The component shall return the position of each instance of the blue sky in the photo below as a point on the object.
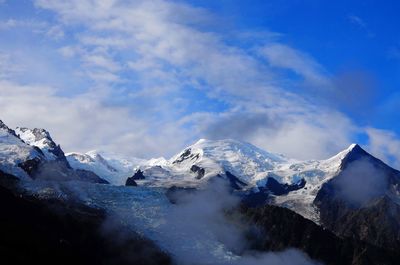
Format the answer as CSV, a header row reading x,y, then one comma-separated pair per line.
x,y
356,36
146,78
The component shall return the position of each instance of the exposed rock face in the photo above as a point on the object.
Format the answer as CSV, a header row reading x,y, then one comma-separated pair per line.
x,y
256,199
57,232
31,166
362,201
57,170
6,128
200,171
138,175
33,153
187,154
88,176
130,182
277,188
263,195
280,228
234,182
41,139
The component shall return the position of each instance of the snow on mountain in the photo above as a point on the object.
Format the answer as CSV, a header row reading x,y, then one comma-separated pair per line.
x,y
249,168
41,139
32,154
205,159
271,178
248,163
113,168
245,166
14,152
315,173
241,159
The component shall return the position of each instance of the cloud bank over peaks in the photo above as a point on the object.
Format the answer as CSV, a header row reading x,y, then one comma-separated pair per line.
x,y
157,75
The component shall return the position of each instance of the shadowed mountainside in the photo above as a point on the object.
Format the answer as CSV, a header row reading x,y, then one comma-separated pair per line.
x,y
53,231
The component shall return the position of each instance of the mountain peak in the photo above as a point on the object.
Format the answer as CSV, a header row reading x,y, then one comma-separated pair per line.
x,y
356,152
41,138
353,145
33,135
6,128
3,125
201,140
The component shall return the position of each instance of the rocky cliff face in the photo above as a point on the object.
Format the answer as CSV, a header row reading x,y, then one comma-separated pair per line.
x,y
41,139
278,228
362,201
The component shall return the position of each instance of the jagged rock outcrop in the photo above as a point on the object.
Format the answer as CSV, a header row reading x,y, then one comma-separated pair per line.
x,y
130,182
42,139
3,126
138,175
198,170
277,188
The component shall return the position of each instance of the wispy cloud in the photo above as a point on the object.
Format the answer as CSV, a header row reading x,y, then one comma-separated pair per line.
x,y
84,122
384,144
8,66
359,22
283,56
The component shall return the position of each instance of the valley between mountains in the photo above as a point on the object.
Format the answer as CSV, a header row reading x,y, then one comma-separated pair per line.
x,y
215,202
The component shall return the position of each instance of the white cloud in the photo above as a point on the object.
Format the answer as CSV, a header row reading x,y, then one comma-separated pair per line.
x,y
56,32
385,145
85,122
303,134
302,64
8,67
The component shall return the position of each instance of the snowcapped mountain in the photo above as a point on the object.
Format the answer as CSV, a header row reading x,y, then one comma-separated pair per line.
x,y
113,168
16,156
244,160
283,181
41,139
245,166
32,154
251,165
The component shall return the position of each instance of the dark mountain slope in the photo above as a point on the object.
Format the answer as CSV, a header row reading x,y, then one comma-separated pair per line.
x,y
280,228
57,232
362,201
